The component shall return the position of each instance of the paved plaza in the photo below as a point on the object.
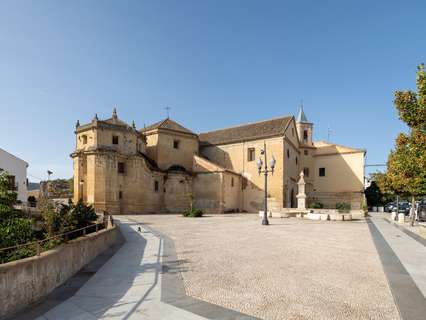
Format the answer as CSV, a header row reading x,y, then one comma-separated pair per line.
x,y
292,269
231,267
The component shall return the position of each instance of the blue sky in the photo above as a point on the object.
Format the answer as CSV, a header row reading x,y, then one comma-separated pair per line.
x,y
215,63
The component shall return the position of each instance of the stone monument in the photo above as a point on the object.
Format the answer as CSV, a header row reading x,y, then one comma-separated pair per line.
x,y
301,195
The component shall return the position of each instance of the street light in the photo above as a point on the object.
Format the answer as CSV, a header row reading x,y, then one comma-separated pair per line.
x,y
265,171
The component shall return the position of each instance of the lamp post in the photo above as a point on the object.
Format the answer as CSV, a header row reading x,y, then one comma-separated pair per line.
x,y
265,171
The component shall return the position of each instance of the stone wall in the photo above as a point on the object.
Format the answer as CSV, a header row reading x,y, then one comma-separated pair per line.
x,y
25,281
235,157
207,192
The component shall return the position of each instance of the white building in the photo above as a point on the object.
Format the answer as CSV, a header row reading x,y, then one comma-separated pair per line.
x,y
17,169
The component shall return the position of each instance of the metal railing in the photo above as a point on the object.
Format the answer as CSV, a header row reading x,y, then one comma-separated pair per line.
x,y
63,238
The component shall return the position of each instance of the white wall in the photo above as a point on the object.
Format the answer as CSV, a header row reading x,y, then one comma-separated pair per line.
x,y
18,168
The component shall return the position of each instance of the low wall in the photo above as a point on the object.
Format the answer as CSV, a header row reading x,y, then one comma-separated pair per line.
x,y
23,282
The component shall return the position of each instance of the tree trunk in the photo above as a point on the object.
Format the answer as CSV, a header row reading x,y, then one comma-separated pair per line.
x,y
413,210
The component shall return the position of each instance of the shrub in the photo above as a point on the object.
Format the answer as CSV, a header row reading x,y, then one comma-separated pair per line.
x,y
343,206
66,217
32,201
82,215
317,205
193,213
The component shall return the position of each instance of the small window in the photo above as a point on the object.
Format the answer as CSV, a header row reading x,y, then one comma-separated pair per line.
x,y
305,135
232,181
84,138
292,132
288,153
306,152
120,194
296,160
114,139
306,172
251,154
322,172
12,183
121,167
156,186
176,144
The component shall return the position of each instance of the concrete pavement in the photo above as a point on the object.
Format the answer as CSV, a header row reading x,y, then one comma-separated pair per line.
x,y
404,262
133,284
128,286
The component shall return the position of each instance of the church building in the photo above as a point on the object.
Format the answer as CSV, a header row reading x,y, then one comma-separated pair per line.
x,y
166,167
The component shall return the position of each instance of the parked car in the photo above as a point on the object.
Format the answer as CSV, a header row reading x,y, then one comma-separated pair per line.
x,y
421,212
404,207
390,206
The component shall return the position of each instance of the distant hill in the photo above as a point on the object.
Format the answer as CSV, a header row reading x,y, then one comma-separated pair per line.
x,y
59,188
33,186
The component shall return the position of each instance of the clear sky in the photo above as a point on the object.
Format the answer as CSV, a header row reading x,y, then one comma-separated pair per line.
x,y
215,63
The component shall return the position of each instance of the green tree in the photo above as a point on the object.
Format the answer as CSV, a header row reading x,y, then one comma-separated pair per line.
x,y
14,229
406,174
374,195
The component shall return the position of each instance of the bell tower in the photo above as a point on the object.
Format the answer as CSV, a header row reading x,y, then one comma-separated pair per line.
x,y
304,128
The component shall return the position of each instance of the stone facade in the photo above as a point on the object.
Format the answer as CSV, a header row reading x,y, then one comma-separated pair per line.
x,y
164,167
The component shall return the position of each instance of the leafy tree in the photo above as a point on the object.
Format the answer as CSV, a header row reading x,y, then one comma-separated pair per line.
x,y
82,215
64,218
14,229
384,193
406,174
373,195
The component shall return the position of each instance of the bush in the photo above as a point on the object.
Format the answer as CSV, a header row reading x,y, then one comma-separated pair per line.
x,y
193,213
317,205
343,206
32,201
66,217
15,231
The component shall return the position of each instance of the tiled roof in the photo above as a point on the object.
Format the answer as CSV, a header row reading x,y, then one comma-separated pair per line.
x,y
167,124
115,121
251,131
326,148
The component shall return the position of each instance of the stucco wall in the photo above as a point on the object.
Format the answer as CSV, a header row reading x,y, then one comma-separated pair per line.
x,y
25,281
343,180
18,168
343,172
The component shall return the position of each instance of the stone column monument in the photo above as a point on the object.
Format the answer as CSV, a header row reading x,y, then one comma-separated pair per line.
x,y
301,195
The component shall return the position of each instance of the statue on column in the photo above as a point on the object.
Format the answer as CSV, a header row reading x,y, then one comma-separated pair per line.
x,y
301,195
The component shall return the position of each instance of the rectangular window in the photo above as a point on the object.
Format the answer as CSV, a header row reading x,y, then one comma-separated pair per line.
x,y
232,181
84,137
251,154
156,186
114,139
121,167
305,135
288,153
322,172
12,184
120,195
176,144
306,172
296,160
305,152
